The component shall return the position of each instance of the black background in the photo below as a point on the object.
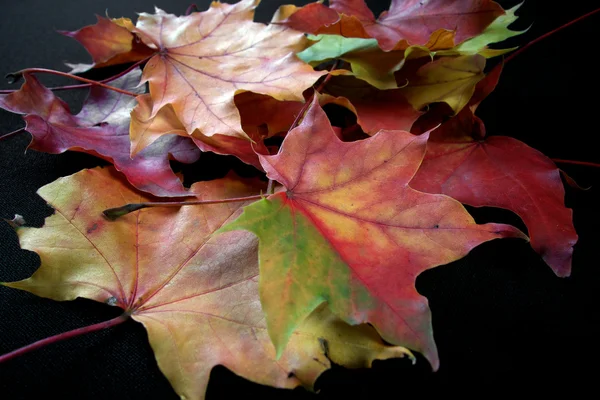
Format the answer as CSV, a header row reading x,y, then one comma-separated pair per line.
x,y
502,320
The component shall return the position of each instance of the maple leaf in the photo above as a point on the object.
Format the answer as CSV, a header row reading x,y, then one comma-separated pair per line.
x,y
451,80
261,117
311,18
205,58
367,60
375,109
348,230
386,110
430,23
196,295
496,32
147,130
109,43
102,129
377,67
503,172
167,123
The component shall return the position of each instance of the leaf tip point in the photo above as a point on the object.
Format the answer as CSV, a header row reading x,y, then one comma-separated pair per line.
x,y
64,32
509,231
17,222
13,77
112,214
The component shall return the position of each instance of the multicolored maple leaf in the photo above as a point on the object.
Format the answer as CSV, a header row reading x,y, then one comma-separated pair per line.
x,y
196,295
348,230
342,242
195,66
204,59
102,129
431,23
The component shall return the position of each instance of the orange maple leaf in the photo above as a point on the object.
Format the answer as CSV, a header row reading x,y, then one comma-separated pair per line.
x,y
204,59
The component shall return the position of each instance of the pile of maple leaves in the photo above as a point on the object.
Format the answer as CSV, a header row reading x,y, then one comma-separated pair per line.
x,y
318,263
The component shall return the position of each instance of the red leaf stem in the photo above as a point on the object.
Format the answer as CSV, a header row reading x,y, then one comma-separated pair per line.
x,y
65,335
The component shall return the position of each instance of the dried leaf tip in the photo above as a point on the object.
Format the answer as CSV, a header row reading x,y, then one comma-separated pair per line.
x,y
13,77
17,222
113,213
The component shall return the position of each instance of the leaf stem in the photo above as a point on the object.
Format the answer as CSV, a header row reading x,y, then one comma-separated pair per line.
x,y
586,163
300,114
84,85
114,213
544,36
328,76
13,133
65,335
191,8
16,75
318,89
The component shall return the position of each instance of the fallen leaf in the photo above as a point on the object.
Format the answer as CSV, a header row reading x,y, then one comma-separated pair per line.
x,y
204,59
311,18
109,43
501,172
496,32
485,87
388,110
265,116
230,145
367,60
374,109
196,295
145,130
439,113
432,23
164,124
415,21
256,111
101,129
451,80
377,67
347,229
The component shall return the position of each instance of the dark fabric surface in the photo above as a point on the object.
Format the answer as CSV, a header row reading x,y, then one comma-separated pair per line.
x,y
501,319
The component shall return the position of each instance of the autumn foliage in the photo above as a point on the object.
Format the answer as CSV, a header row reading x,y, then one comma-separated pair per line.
x,y
316,259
